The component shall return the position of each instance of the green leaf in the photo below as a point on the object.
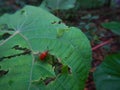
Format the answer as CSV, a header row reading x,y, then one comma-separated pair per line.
x,y
113,26
107,75
58,4
34,31
87,4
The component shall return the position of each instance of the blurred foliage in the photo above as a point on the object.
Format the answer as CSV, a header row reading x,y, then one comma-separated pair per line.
x,y
10,6
53,5
87,4
70,16
114,26
90,27
107,75
58,4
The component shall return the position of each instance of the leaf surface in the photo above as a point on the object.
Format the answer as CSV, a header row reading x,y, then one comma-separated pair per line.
x,y
113,26
58,4
36,30
107,75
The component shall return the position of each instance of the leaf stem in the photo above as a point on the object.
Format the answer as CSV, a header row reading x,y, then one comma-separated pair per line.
x,y
9,38
31,71
102,44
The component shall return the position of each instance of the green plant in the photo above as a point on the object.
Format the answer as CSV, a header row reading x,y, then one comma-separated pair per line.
x,y
87,4
107,75
53,5
114,26
58,4
32,30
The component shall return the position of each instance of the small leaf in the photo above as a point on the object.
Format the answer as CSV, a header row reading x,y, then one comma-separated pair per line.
x,y
107,75
114,26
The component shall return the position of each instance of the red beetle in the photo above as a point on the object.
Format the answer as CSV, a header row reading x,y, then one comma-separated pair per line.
x,y
43,55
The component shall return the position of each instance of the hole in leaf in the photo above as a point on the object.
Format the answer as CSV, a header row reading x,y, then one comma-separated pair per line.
x,y
59,22
4,27
22,11
5,36
57,65
53,22
60,33
48,80
17,47
3,72
5,32
59,68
